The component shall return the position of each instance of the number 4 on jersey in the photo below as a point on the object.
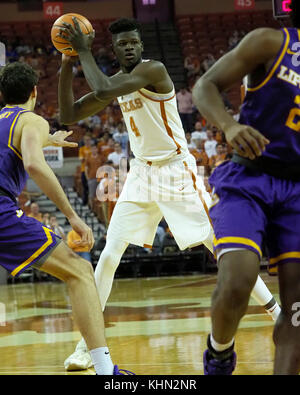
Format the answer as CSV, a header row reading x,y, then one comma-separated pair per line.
x,y
134,128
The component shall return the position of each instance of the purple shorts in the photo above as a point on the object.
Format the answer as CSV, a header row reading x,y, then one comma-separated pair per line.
x,y
250,208
24,241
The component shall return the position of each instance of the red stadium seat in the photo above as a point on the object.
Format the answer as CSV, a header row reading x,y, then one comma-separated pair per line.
x,y
183,21
187,35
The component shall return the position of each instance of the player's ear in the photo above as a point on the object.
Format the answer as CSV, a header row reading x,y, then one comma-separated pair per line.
x,y
112,47
34,92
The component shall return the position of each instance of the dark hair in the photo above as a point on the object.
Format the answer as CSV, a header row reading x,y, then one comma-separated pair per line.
x,y
124,25
295,14
17,81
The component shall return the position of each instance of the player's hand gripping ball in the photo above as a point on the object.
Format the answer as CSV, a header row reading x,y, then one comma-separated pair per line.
x,y
72,32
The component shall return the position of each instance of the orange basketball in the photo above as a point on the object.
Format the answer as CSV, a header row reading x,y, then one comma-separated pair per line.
x,y
62,45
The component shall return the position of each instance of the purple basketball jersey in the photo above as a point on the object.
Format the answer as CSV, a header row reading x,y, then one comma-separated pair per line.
x,y
24,241
12,173
273,107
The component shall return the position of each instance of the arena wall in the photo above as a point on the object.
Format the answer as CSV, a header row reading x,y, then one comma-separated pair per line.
x,y
191,7
101,10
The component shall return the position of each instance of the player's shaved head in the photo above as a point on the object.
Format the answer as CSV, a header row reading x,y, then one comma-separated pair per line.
x,y
295,14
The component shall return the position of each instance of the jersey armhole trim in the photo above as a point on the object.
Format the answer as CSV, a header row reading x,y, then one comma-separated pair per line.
x,y
157,99
275,66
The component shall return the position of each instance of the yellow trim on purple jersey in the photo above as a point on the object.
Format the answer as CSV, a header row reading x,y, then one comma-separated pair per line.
x,y
286,255
271,73
37,253
11,135
237,240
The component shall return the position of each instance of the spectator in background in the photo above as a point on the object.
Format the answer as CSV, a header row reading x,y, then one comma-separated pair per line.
x,y
55,227
216,160
97,132
107,149
46,219
117,155
11,54
210,144
92,163
161,231
121,137
83,152
185,108
103,60
106,113
111,124
208,62
190,143
233,40
35,212
90,122
103,140
207,186
169,244
23,48
199,132
197,152
192,65
74,242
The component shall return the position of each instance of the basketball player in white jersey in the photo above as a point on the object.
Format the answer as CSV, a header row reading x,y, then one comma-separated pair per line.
x,y
162,181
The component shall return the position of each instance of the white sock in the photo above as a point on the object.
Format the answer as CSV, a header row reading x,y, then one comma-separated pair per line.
x,y
263,297
220,347
274,311
261,293
102,361
104,274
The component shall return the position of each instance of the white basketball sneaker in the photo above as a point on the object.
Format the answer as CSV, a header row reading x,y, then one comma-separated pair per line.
x,y
80,359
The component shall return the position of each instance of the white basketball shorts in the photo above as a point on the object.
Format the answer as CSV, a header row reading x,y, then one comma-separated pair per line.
x,y
170,190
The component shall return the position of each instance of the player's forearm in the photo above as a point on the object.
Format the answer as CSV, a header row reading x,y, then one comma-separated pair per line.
x,y
209,101
65,94
49,184
96,79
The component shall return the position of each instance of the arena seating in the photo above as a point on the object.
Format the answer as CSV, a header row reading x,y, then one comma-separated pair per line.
x,y
209,34
199,35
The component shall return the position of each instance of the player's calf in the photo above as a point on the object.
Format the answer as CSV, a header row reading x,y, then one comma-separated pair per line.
x,y
237,275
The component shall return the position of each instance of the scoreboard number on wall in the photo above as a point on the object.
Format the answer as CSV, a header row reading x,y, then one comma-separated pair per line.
x,y
244,5
281,8
52,10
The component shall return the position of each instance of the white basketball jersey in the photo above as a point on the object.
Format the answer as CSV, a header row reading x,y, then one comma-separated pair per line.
x,y
154,126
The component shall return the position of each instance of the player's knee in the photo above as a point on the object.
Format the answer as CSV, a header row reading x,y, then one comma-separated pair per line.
x,y
77,269
109,260
234,291
237,275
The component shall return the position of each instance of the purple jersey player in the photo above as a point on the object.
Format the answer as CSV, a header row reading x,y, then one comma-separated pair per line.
x,y
257,193
25,241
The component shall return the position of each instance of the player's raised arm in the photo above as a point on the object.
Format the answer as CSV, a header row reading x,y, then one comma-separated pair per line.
x,y
128,49
35,132
258,48
72,111
148,73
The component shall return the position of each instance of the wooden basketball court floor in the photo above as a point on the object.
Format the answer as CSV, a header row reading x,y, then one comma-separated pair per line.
x,y
154,326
